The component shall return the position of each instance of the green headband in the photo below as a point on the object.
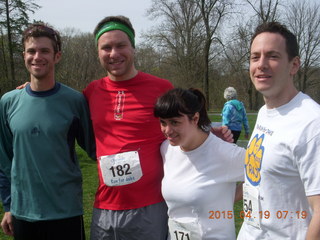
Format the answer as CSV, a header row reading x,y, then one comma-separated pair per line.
x,y
109,26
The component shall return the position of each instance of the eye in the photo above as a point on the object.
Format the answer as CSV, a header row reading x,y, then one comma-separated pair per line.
x,y
106,48
31,51
163,123
254,57
174,122
45,50
274,56
121,45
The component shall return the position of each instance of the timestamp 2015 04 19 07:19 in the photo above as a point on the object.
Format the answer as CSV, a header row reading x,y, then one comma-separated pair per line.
x,y
280,214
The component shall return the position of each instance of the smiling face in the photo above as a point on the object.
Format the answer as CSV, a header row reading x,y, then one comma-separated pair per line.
x,y
40,58
270,69
181,131
116,55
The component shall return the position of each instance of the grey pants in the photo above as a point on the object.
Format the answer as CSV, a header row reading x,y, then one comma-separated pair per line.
x,y
147,223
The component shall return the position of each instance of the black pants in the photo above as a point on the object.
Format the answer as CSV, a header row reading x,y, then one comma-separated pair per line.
x,y
236,135
62,229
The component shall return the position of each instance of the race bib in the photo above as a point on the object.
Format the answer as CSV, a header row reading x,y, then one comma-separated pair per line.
x,y
251,205
120,169
184,231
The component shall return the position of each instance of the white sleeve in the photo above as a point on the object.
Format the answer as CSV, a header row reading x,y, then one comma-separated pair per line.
x,y
308,162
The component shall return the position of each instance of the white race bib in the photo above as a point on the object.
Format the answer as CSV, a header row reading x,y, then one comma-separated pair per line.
x,y
184,231
251,205
120,169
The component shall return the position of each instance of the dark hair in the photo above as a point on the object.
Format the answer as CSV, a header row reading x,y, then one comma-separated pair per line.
x,y
121,19
180,101
292,46
42,30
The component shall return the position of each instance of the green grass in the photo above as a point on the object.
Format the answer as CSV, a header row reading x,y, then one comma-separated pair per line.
x,y
216,117
90,183
237,208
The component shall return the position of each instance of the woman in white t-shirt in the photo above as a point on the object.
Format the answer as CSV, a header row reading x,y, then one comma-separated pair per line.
x,y
200,170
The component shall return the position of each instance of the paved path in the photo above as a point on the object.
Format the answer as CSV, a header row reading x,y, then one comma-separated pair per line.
x,y
219,114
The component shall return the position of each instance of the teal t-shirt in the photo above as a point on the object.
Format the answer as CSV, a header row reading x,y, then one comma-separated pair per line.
x,y
37,147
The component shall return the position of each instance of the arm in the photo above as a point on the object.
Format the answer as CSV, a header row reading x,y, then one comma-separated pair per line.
x,y
314,229
86,138
226,111
5,193
6,153
245,123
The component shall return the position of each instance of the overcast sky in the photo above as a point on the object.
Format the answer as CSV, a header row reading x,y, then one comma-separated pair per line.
x,y
85,14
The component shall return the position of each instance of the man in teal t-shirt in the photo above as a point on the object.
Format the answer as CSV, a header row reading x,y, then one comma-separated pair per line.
x,y
39,126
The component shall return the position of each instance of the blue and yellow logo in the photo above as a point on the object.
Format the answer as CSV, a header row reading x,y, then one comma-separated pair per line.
x,y
253,159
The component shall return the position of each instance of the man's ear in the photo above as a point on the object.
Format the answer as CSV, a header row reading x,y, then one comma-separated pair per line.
x,y
57,57
295,65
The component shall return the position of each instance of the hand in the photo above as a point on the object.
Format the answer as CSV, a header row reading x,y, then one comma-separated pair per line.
x,y
6,224
223,132
22,86
239,192
246,135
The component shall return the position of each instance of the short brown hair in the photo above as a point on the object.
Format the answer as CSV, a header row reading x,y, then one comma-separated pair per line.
x,y
42,30
292,46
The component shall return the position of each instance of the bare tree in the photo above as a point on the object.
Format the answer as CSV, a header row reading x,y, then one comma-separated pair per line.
x,y
265,11
303,18
147,59
212,14
14,19
178,38
79,64
236,52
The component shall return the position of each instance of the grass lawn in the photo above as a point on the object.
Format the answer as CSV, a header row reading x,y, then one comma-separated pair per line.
x,y
90,181
216,117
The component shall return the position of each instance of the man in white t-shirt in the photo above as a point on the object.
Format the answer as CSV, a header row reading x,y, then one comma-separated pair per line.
x,y
282,183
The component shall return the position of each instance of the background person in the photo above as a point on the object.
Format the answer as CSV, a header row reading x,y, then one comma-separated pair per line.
x,y
234,114
39,126
200,170
282,183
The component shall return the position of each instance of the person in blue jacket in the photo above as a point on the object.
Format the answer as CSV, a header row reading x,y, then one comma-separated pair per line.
x,y
234,114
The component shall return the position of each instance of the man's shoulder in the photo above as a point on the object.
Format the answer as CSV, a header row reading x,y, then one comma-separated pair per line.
x,y
154,78
70,90
305,104
92,85
70,94
11,95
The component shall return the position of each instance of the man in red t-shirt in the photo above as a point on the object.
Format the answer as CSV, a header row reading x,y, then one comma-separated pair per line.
x,y
128,202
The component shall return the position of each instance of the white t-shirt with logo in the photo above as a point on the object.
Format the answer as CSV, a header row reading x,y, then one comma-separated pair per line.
x,y
283,166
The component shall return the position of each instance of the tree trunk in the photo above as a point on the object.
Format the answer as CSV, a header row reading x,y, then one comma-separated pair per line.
x,y
11,61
